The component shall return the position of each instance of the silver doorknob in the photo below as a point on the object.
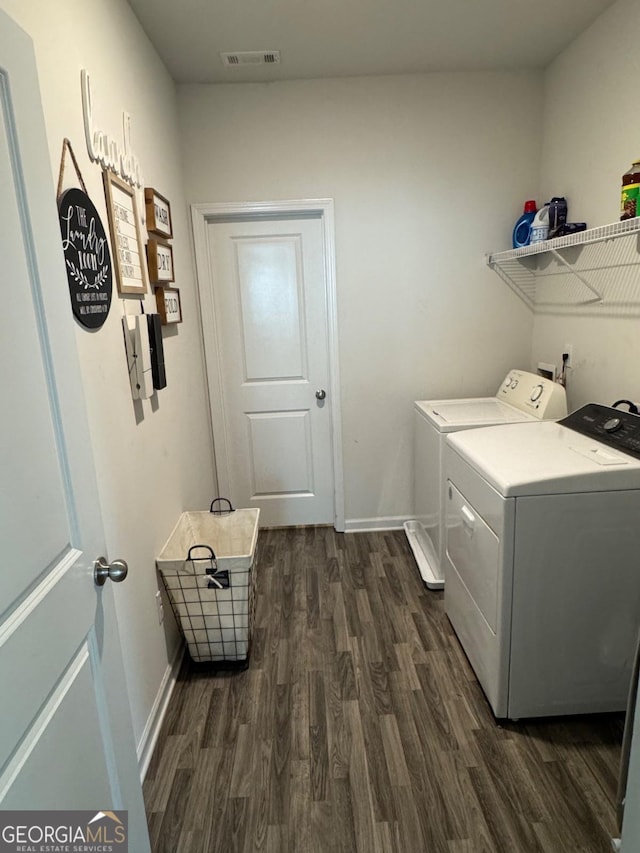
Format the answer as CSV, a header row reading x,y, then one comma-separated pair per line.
x,y
115,571
321,394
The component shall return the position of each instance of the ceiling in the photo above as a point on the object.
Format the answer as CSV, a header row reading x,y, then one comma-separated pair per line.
x,y
344,38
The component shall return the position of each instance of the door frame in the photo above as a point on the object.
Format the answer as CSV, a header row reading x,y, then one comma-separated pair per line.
x,y
202,215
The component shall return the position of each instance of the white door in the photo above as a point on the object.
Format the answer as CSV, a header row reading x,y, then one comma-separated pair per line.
x,y
272,425
66,740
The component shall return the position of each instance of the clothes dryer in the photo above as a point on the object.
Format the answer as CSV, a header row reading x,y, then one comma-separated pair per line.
x,y
521,396
542,571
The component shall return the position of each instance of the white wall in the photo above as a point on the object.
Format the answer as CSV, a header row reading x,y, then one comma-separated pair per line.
x,y
428,172
153,460
591,136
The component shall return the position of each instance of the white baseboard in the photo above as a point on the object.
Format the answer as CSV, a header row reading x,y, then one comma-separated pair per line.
x,y
389,522
152,729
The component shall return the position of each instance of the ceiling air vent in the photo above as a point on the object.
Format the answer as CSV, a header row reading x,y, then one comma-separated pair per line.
x,y
250,57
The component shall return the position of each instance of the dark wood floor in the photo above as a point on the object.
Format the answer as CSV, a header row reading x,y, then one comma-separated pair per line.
x,y
359,726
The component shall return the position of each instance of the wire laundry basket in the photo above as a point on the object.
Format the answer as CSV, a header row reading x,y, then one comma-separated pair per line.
x,y
207,565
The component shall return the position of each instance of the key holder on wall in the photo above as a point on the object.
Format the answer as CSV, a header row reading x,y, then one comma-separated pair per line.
x,y
138,353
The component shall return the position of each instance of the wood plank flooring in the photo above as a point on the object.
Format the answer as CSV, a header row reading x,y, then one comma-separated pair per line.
x,y
359,726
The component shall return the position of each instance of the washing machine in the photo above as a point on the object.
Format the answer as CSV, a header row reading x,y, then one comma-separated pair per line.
x,y
543,560
521,396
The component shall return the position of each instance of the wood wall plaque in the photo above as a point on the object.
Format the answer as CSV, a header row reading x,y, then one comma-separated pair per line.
x,y
158,213
160,260
169,305
124,225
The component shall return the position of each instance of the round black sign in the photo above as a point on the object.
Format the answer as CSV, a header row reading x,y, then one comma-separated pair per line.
x,y
87,258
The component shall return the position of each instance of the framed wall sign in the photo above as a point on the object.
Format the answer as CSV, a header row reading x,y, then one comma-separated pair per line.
x,y
86,257
169,307
126,242
158,211
160,259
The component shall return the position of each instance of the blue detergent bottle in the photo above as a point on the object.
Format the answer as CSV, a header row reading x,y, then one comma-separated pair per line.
x,y
522,228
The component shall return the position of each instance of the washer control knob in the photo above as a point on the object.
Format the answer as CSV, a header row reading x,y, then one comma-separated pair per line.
x,y
536,393
612,425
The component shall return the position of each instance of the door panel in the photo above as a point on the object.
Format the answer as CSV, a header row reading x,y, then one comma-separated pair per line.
x,y
69,720
66,738
23,638
34,479
281,457
271,334
268,275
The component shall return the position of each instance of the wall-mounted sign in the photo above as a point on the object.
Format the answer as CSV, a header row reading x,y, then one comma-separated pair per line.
x,y
160,258
105,149
158,212
168,303
87,258
128,249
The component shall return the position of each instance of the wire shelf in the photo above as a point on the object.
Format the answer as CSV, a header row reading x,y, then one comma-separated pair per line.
x,y
594,271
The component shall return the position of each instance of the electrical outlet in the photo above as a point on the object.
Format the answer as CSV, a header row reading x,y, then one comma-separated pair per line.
x,y
160,607
568,349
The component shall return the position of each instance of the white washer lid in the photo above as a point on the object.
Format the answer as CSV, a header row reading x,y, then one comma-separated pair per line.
x,y
450,415
544,458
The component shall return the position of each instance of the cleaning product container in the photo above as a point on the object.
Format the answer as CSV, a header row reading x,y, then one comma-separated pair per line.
x,y
540,225
522,228
629,207
207,564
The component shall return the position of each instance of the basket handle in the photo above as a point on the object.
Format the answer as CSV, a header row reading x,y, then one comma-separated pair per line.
x,y
220,510
217,578
211,555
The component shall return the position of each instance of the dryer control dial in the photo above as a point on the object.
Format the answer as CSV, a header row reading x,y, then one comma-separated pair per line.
x,y
536,393
612,425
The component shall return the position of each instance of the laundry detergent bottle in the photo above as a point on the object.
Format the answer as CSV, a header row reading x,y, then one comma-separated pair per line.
x,y
540,225
522,228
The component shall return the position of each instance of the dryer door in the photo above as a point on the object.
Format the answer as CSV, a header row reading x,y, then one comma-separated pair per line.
x,y
474,590
473,550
